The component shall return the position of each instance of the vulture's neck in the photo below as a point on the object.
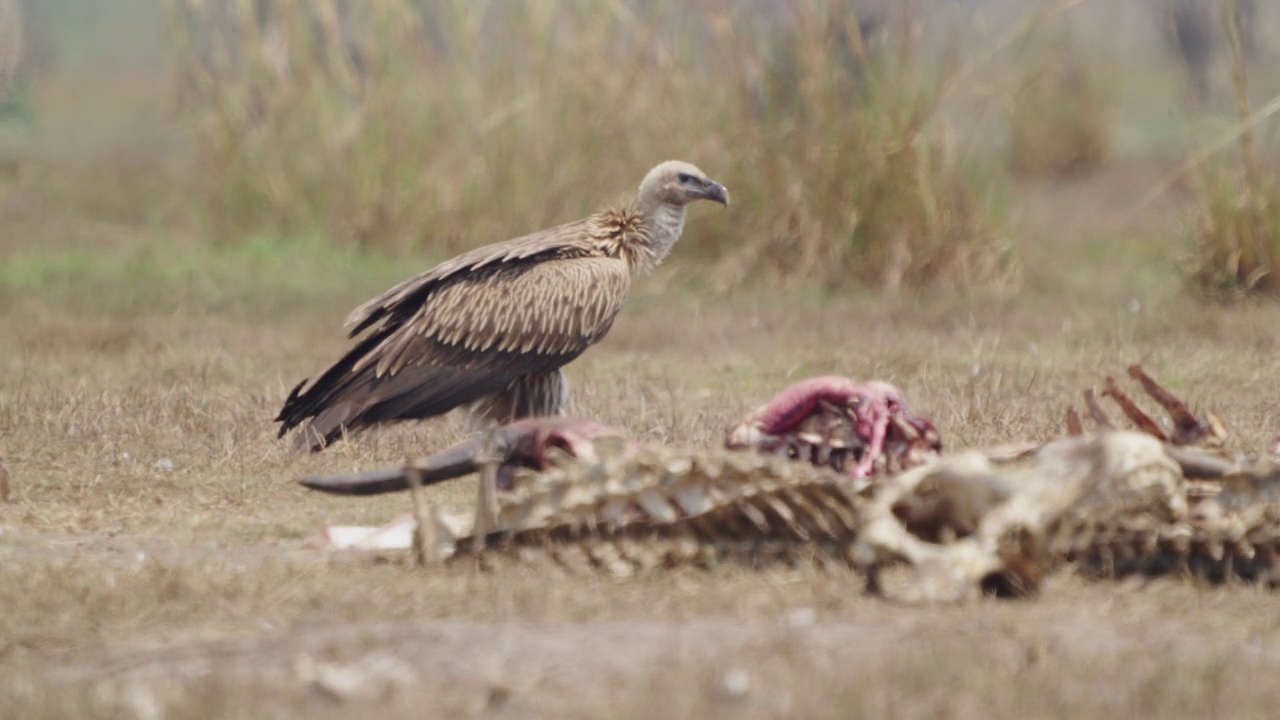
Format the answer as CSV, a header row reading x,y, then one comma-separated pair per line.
x,y
666,222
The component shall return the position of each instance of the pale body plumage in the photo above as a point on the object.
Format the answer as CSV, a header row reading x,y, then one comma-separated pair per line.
x,y
493,327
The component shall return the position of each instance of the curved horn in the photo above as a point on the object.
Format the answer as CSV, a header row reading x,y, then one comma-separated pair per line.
x,y
456,462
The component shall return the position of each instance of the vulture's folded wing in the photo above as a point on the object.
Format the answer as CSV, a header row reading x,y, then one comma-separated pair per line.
x,y
509,316
404,299
470,333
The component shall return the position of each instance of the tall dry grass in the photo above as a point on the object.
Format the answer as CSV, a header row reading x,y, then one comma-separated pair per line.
x,y
1236,229
1064,109
457,123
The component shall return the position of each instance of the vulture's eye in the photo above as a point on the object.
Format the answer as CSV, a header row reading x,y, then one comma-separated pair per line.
x,y
685,178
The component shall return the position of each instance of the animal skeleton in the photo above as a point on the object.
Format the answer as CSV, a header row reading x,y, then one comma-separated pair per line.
x,y
1111,503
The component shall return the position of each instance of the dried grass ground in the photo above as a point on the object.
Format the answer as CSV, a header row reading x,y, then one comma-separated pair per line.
x,y
151,561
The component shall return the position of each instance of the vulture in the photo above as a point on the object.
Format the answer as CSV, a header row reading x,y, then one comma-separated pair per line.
x,y
492,328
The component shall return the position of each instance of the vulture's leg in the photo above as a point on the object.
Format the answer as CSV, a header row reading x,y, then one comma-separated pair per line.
x,y
534,395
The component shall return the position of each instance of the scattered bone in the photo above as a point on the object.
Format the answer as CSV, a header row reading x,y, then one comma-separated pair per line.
x,y
1132,411
1096,412
1074,426
395,535
735,684
372,677
1188,429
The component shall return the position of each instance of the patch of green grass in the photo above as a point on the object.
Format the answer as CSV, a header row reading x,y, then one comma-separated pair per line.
x,y
260,275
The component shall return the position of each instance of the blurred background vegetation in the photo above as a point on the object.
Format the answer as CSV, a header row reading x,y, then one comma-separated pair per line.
x,y
865,142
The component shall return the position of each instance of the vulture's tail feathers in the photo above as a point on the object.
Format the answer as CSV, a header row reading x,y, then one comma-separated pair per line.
x,y
352,402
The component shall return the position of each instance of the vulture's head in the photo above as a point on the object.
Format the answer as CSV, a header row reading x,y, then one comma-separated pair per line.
x,y
679,183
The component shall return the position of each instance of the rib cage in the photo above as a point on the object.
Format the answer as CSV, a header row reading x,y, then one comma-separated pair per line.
x,y
639,507
1234,535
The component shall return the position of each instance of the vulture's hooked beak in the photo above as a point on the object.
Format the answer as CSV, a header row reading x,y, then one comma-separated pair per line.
x,y
712,190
